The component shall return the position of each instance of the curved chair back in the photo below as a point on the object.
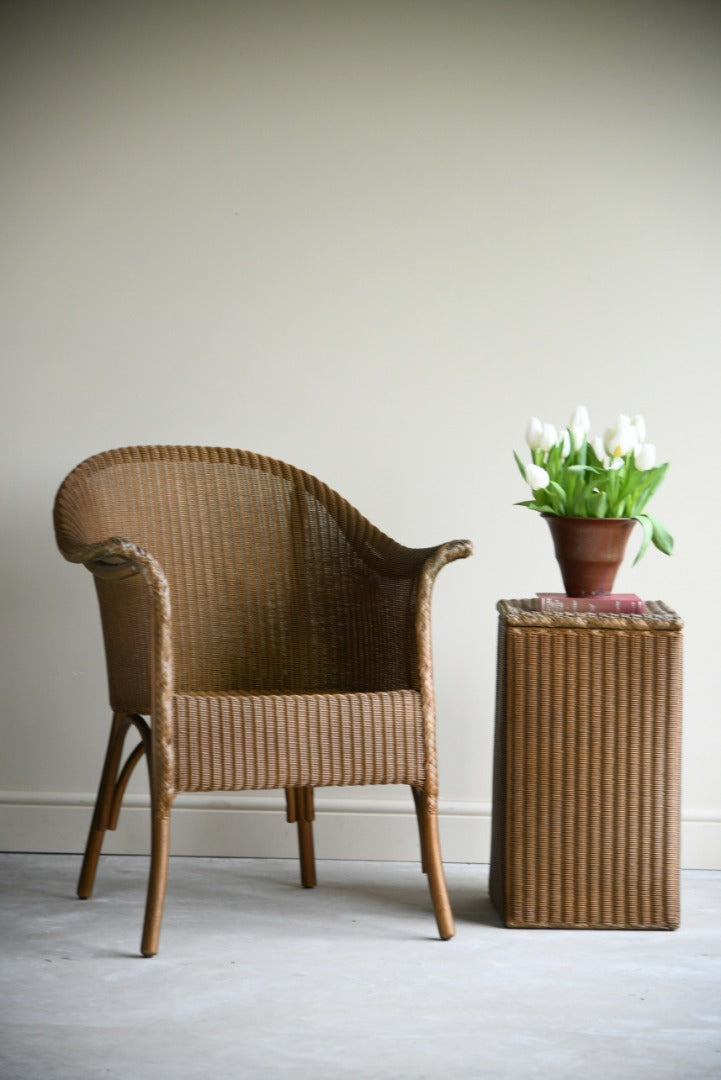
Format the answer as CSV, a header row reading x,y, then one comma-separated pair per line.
x,y
268,591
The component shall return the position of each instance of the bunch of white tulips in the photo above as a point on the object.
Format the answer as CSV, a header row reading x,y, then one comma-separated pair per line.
x,y
614,476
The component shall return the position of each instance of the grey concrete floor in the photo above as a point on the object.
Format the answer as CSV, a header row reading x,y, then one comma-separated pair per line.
x,y
257,977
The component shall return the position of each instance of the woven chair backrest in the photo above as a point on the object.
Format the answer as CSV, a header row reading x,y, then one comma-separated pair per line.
x,y
269,591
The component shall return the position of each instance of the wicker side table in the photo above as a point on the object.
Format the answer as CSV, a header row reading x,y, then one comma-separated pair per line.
x,y
586,785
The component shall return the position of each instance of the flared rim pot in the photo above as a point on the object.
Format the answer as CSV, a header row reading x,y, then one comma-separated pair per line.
x,y
589,551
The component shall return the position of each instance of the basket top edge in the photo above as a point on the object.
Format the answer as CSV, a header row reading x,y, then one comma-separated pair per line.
x,y
657,615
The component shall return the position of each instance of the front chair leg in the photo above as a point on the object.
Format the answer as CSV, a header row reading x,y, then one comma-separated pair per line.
x,y
102,813
113,783
301,810
432,863
160,850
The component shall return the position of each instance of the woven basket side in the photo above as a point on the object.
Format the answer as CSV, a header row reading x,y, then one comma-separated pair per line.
x,y
591,762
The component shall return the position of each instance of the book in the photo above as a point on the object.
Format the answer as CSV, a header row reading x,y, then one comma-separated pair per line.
x,y
614,603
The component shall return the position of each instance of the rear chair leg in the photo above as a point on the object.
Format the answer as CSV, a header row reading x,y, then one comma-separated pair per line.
x,y
301,810
420,816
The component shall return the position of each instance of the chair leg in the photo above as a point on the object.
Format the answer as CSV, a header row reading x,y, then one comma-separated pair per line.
x,y
101,814
421,818
113,783
160,850
301,810
433,864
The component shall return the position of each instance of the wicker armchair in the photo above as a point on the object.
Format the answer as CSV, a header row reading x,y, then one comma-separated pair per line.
x,y
273,637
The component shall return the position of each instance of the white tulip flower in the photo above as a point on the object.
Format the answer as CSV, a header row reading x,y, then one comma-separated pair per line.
x,y
534,433
549,437
645,456
639,424
598,448
578,435
579,426
537,477
565,443
581,419
622,439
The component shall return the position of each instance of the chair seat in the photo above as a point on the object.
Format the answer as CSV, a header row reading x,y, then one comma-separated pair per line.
x,y
234,742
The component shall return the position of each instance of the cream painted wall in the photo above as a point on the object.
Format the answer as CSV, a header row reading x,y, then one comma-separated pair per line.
x,y
370,239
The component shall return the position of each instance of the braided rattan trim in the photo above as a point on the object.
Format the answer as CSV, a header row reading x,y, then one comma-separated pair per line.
x,y
656,616
232,742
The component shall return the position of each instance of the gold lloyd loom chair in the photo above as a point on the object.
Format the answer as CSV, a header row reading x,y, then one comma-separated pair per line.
x,y
273,637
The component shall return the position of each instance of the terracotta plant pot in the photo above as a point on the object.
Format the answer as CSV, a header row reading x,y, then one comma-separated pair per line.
x,y
589,551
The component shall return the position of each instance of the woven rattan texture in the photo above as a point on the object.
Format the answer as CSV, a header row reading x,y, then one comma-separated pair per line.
x,y
236,742
587,771
275,638
276,582
236,574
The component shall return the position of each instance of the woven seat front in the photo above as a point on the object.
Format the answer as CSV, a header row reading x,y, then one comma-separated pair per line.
x,y
235,742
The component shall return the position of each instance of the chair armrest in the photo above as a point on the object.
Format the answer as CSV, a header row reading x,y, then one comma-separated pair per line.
x,y
434,561
115,559
391,559
109,557
436,558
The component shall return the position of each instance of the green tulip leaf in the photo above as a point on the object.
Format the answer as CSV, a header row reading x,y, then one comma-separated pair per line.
x,y
655,477
662,538
585,468
521,466
600,505
554,458
647,527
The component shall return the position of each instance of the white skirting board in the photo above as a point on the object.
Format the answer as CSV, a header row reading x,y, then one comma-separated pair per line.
x,y
253,826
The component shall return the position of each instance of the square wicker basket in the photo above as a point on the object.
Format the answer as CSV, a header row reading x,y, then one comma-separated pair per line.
x,y
586,788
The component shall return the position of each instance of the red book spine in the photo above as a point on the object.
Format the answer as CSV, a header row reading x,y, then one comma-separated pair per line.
x,y
615,603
